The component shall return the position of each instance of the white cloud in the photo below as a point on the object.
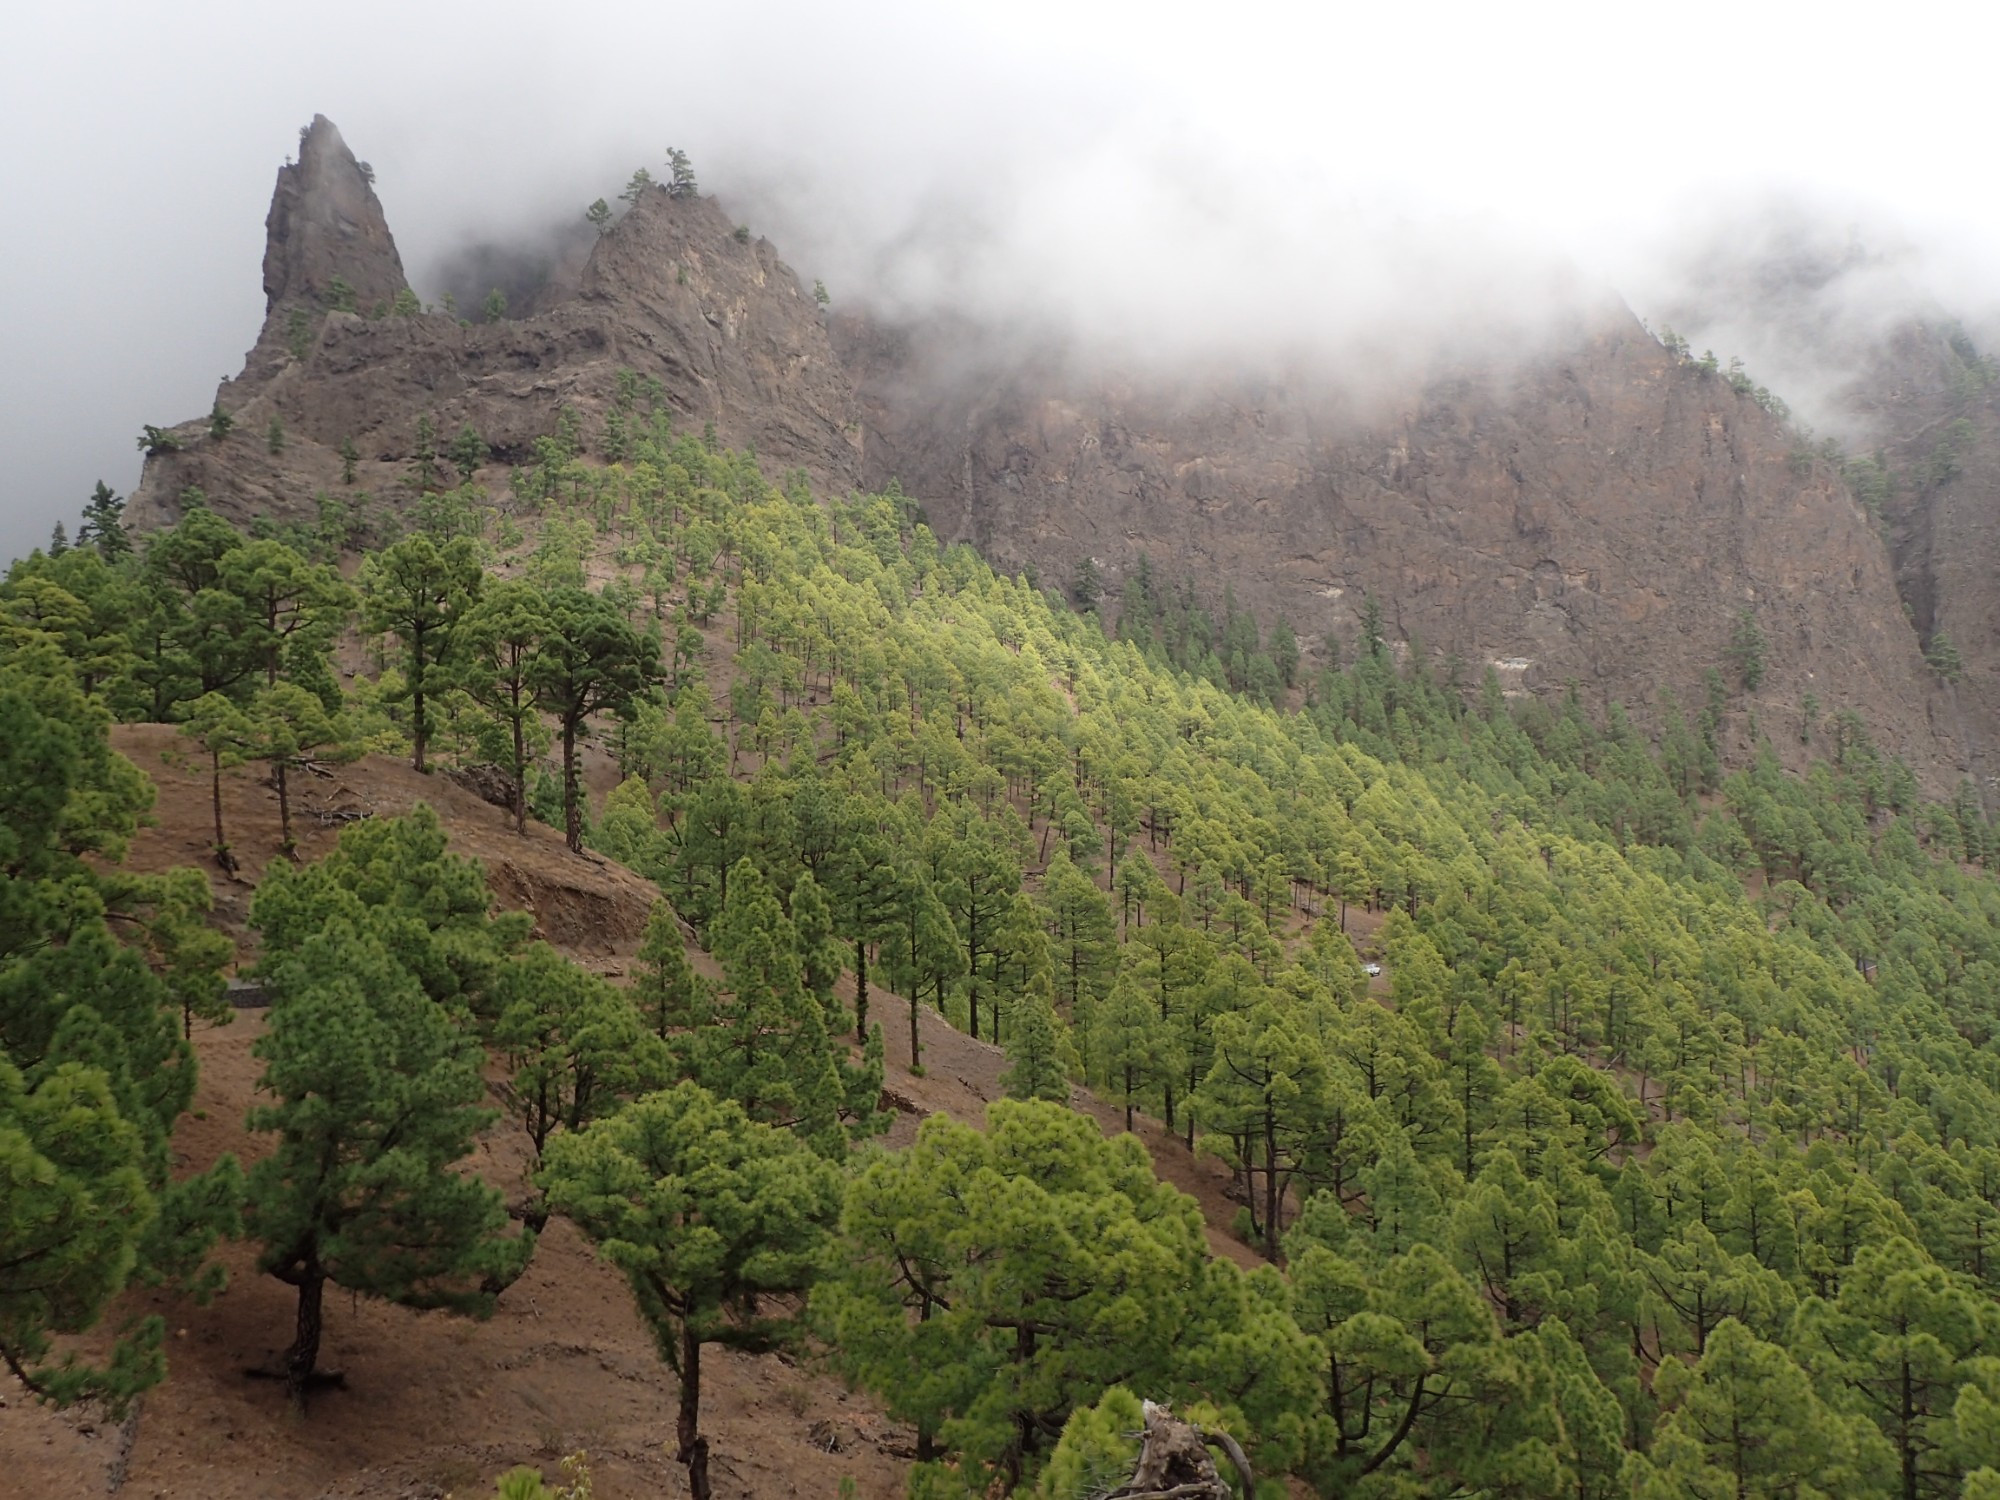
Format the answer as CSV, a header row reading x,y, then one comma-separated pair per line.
x,y
1259,172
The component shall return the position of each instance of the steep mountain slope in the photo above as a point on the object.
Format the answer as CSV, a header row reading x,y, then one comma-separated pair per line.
x,y
670,292
1597,513
1859,334
1592,512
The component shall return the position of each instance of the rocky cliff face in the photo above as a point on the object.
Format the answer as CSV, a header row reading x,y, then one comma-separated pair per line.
x,y
670,293
1934,406
1600,513
326,223
1594,512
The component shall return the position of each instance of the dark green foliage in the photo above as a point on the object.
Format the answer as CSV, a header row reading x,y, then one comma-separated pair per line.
x,y
1746,649
417,591
299,332
468,452
710,1215
986,1285
766,1041
1942,657
1087,585
589,660
103,524
680,174
378,1097
396,877
94,1068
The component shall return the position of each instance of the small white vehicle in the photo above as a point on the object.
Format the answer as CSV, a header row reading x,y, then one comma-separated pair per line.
x,y
1371,970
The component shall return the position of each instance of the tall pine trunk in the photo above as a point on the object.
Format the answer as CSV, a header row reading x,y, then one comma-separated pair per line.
x,y
303,1357
687,1428
861,991
572,812
284,807
419,724
520,774
1270,1186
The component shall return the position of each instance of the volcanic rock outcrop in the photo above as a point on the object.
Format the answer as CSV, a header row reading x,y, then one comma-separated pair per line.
x,y
1592,512
672,293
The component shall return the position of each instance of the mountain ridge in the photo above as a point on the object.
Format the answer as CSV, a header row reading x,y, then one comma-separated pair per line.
x,y
1592,514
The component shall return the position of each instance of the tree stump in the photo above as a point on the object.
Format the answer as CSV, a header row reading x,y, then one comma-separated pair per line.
x,y
1175,1464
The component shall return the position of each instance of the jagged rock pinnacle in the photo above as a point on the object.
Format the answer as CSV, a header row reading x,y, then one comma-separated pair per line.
x,y
326,221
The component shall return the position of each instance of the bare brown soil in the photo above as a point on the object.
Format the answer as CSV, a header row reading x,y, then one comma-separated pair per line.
x,y
584,904
434,1405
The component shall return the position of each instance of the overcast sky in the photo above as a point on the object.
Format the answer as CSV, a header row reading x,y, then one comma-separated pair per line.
x,y
1263,172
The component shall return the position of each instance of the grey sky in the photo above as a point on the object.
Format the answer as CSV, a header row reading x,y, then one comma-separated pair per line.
x,y
1183,174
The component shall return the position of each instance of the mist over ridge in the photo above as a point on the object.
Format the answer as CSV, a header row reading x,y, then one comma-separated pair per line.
x,y
1146,179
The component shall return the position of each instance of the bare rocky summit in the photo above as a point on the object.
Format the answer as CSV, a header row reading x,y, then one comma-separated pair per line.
x,y
671,293
1591,512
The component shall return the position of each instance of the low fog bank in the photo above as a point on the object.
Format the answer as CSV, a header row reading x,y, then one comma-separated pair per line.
x,y
1811,290
1158,182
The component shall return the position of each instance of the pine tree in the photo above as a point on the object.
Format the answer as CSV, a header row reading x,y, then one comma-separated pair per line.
x,y
94,1070
1084,936
1126,1049
1942,657
868,891
680,174
468,451
1036,1050
397,878
1903,1337
1745,1422
819,953
1746,649
575,1042
986,1284
287,727
671,997
226,732
497,641
295,608
418,591
1266,1092
378,1098
589,659
709,1213
766,1047
103,524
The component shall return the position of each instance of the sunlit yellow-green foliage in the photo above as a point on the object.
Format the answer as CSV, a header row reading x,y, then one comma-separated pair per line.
x,y
1661,1158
